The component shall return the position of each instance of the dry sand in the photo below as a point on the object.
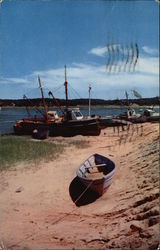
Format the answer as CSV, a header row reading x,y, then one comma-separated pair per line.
x,y
42,215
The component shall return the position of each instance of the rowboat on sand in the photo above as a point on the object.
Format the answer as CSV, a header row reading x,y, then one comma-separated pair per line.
x,y
97,173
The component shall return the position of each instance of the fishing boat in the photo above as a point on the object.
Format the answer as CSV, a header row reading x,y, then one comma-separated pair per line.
x,y
85,127
70,123
110,121
106,121
151,115
97,173
148,115
131,116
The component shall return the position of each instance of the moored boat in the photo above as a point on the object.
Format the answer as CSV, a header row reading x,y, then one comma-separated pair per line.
x,y
86,127
148,115
71,122
151,115
110,121
131,116
97,173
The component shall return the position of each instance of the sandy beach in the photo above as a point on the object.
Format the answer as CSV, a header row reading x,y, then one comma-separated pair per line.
x,y
37,210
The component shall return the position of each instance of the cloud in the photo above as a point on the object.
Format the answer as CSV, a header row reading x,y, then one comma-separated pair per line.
x,y
150,51
13,80
99,51
104,85
148,65
110,49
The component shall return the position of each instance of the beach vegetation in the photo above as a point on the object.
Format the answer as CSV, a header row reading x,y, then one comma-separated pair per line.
x,y
14,149
17,149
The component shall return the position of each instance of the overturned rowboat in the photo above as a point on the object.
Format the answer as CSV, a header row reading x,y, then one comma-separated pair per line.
x,y
97,173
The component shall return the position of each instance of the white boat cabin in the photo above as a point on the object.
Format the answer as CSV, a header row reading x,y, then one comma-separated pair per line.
x,y
74,114
131,113
52,115
71,114
150,113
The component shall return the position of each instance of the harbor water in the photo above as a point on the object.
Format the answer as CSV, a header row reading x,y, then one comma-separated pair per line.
x,y
9,115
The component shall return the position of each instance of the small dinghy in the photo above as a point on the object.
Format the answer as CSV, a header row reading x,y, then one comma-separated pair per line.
x,y
40,134
96,173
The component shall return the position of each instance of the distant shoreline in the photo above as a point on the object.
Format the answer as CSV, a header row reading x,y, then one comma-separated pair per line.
x,y
84,106
37,102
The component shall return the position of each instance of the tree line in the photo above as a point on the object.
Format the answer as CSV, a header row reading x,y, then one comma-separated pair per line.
x,y
75,102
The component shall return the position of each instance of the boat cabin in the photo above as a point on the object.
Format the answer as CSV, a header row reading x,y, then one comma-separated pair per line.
x,y
132,113
74,114
150,113
52,115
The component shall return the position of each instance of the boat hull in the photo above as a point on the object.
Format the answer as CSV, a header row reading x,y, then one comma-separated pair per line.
x,y
140,119
65,129
153,119
98,185
112,122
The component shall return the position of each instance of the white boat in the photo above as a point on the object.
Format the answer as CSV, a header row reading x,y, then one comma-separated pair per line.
x,y
131,116
151,115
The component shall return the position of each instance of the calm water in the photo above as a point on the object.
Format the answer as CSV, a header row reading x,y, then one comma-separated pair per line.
x,y
8,116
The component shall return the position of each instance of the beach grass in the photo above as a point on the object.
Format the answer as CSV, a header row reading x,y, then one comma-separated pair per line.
x,y
17,149
14,149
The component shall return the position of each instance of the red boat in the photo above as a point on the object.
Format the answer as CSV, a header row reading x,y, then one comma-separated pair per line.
x,y
71,122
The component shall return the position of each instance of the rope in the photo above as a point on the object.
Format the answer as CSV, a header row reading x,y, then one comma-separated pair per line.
x,y
75,203
83,193
75,91
25,97
57,88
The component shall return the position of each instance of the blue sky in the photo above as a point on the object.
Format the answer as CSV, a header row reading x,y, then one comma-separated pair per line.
x,y
40,37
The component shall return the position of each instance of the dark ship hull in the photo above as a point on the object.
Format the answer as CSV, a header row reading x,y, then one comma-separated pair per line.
x,y
84,127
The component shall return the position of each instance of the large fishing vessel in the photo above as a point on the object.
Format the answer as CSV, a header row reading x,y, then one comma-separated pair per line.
x,y
70,123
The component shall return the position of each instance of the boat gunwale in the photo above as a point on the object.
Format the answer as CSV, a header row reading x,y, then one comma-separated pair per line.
x,y
109,175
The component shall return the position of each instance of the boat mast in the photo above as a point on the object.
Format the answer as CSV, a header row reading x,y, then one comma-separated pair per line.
x,y
89,107
66,85
57,103
126,93
44,103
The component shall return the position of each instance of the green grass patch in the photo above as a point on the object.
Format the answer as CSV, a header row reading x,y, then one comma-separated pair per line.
x,y
15,149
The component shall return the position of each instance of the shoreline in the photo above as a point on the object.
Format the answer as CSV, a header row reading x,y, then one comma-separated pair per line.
x,y
86,106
